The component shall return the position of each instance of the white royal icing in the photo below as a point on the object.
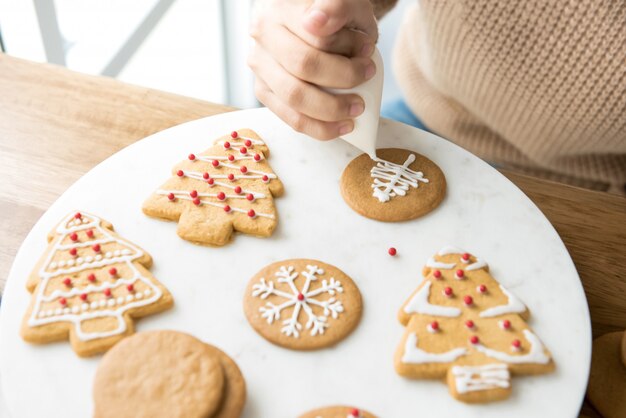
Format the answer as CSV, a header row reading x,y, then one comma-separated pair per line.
x,y
317,324
475,378
392,179
448,249
514,305
419,304
415,355
536,354
73,314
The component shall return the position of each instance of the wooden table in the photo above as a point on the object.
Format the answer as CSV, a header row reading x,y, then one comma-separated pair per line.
x,y
55,125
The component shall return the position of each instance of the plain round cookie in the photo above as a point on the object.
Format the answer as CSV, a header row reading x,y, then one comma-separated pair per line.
x,y
234,396
607,378
158,374
338,412
338,328
356,187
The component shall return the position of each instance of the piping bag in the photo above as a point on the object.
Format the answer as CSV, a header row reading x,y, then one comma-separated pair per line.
x,y
365,131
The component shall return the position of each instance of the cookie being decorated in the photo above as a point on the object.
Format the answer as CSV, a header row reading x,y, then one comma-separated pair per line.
x,y
463,325
167,374
89,286
396,186
229,187
302,304
338,412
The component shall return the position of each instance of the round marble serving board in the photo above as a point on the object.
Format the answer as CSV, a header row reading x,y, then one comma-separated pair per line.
x,y
483,213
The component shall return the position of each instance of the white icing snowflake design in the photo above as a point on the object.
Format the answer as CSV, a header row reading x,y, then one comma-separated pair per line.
x,y
301,300
392,179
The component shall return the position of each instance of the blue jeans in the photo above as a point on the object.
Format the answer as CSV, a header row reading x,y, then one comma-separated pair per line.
x,y
397,109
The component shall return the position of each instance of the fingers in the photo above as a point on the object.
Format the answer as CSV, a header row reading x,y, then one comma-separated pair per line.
x,y
313,65
298,121
346,42
326,17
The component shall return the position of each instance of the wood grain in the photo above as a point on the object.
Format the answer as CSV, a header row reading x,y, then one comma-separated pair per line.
x,y
55,125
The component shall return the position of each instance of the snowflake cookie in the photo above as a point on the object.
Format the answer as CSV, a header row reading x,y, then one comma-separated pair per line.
x,y
89,286
396,186
302,304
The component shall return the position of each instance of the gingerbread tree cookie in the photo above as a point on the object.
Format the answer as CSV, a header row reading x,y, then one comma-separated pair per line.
x,y
89,285
461,324
229,187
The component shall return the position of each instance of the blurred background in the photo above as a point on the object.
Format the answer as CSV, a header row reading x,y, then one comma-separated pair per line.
x,y
195,48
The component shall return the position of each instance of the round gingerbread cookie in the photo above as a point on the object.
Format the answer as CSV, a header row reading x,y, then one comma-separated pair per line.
x,y
399,185
338,412
156,371
234,396
302,304
607,377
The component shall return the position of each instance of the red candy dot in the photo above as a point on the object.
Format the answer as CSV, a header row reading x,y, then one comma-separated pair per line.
x,y
192,157
482,288
231,158
265,178
516,343
107,293
243,150
180,173
193,193
210,182
91,277
73,236
96,247
474,339
221,196
506,324
434,325
238,190
130,288
234,134
257,157
437,274
250,197
231,177
244,169
171,196
251,213
89,233
226,144
73,252
205,176
248,143
465,256
83,296
392,251
447,291
78,215
63,301
459,274
300,296
469,323
215,163
355,412
468,300
227,208
67,282
113,271
196,201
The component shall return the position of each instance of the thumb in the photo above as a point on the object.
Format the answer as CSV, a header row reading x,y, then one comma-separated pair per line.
x,y
326,17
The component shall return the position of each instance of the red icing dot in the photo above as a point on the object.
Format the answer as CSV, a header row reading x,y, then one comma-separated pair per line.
x,y
300,296
231,158
226,144
74,236
83,296
130,288
196,201
89,233
243,150
516,343
63,301
231,177
171,196
192,157
250,197
107,293
251,213
248,143
469,323
96,247
482,288
193,193
238,190
257,157
113,271
437,274
67,282
459,273
265,178
465,256
180,173
392,251
434,325
221,196
210,182
91,277
506,324
234,134
474,339
244,169
205,176
468,300
447,291
73,252
78,215
355,412
215,163
226,208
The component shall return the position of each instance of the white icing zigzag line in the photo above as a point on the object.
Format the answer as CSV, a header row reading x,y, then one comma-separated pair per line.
x,y
413,354
514,305
198,175
536,354
419,304
489,376
399,178
480,263
240,140
217,205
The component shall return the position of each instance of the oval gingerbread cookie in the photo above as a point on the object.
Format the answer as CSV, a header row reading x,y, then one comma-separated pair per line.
x,y
302,304
397,186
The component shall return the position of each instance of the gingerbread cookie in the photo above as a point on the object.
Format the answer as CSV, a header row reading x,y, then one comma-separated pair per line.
x,y
338,412
229,187
234,396
397,186
607,378
463,325
302,304
89,286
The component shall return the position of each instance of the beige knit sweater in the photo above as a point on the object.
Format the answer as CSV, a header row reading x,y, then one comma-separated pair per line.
x,y
538,85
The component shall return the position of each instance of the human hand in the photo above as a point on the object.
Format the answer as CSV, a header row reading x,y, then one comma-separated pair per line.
x,y
303,47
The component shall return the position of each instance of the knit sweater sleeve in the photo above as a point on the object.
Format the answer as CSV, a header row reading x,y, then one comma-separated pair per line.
x,y
381,7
